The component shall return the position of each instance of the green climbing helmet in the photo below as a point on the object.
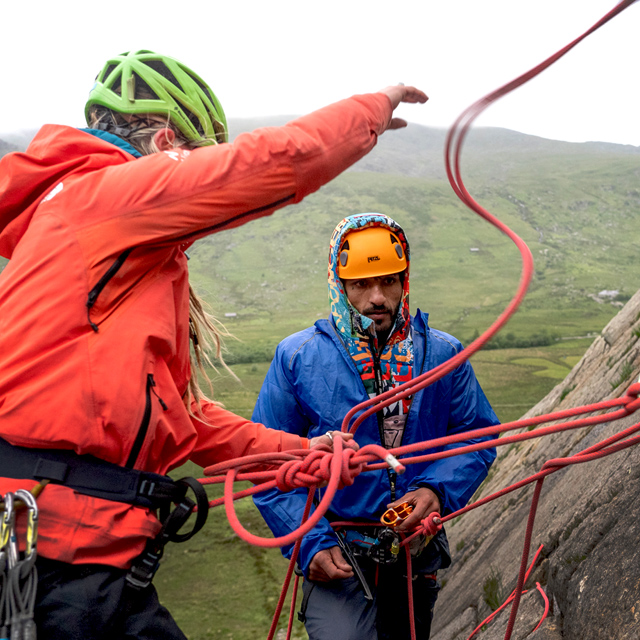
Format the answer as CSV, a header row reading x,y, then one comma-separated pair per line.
x,y
139,82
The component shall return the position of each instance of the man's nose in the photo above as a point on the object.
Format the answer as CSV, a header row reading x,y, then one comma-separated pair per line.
x,y
376,296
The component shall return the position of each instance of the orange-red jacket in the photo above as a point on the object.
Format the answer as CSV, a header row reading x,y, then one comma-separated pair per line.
x,y
94,301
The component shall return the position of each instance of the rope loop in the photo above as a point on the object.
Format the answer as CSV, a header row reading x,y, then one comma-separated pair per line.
x,y
432,524
315,470
634,390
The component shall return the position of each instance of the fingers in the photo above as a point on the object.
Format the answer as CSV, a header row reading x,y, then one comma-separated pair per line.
x,y
413,95
398,93
347,439
397,123
339,562
424,502
329,564
325,441
412,521
328,439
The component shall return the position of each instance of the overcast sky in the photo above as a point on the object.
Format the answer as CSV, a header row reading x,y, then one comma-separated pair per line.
x,y
275,57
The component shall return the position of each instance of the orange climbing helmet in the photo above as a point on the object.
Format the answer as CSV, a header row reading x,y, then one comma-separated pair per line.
x,y
370,252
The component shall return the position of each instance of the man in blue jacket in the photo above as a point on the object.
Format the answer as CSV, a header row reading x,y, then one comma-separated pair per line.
x,y
369,345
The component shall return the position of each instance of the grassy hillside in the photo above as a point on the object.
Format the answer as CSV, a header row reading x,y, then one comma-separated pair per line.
x,y
577,212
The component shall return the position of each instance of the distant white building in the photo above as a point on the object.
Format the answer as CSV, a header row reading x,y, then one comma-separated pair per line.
x,y
474,249
231,314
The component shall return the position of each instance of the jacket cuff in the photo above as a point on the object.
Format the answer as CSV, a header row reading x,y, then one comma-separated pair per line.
x,y
292,441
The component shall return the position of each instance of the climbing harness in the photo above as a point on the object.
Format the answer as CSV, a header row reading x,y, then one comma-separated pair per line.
x,y
383,548
91,476
146,564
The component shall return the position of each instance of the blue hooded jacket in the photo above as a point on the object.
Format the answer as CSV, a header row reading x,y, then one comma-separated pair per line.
x,y
313,382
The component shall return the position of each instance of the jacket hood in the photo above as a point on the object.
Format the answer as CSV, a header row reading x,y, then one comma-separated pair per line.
x,y
27,178
348,321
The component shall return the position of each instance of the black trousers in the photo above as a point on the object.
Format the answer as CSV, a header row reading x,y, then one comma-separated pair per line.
x,y
91,602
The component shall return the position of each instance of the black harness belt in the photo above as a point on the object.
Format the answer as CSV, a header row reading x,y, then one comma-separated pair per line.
x,y
89,475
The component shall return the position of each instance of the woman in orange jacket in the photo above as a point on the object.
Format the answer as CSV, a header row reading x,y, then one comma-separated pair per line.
x,y
97,316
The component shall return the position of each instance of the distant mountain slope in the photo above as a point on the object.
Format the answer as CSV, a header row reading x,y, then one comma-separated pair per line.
x,y
418,151
578,214
6,147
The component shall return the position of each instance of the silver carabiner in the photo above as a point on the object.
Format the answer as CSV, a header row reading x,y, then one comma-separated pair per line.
x,y
8,539
32,521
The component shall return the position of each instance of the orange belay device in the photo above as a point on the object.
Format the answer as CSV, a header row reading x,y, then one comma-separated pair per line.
x,y
395,515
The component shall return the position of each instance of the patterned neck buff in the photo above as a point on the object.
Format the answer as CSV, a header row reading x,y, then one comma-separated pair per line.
x,y
394,365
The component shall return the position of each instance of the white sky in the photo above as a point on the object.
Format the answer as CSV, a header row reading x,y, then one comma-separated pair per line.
x,y
274,57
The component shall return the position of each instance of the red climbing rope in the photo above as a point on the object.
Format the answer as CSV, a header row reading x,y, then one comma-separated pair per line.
x,y
339,468
453,149
490,617
312,468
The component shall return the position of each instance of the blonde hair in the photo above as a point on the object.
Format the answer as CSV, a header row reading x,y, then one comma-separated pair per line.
x,y
206,333
138,130
205,330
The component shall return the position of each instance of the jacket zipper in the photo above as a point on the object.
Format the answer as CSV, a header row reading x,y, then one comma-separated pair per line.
x,y
379,415
146,419
102,283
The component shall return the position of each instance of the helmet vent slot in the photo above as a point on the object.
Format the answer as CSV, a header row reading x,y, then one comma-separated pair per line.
x,y
143,91
108,71
195,121
204,88
160,67
116,84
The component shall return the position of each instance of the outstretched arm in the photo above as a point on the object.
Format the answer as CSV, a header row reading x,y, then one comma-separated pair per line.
x,y
178,196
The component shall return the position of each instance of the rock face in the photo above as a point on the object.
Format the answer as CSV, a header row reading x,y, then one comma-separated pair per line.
x,y
588,519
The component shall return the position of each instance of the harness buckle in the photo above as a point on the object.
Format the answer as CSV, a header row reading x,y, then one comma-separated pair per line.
x,y
146,564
